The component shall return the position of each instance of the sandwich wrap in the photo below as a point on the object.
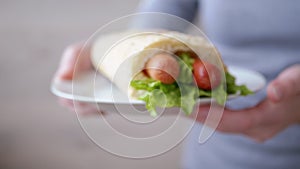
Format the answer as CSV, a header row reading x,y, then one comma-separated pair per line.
x,y
133,50
122,57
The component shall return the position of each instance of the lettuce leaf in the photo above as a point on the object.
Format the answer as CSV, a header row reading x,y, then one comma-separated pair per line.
x,y
166,95
186,69
233,88
184,93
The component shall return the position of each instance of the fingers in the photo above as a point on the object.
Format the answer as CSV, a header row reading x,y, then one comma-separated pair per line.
x,y
231,121
68,61
269,117
202,113
74,55
79,107
259,123
286,85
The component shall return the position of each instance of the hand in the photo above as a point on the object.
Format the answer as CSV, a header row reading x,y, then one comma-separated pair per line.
x,y
279,110
71,55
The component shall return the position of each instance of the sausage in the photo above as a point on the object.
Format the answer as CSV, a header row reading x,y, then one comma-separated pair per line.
x,y
207,75
163,67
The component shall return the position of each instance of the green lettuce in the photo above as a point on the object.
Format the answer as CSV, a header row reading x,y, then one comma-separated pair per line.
x,y
233,88
183,93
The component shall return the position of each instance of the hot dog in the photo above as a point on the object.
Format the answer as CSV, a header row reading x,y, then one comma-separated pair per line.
x,y
163,67
207,75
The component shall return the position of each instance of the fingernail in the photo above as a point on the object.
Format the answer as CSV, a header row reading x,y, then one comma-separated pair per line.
x,y
277,93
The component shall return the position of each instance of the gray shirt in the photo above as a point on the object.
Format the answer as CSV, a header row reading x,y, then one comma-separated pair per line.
x,y
262,35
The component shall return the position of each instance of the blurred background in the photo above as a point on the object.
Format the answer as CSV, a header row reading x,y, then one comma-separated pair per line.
x,y
35,131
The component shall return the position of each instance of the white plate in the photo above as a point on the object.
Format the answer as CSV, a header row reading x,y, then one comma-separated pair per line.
x,y
91,87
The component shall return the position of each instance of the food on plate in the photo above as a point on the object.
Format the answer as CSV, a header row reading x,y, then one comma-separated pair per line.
x,y
164,69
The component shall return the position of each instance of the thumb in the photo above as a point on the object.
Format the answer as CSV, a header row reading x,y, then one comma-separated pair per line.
x,y
286,85
67,63
74,54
